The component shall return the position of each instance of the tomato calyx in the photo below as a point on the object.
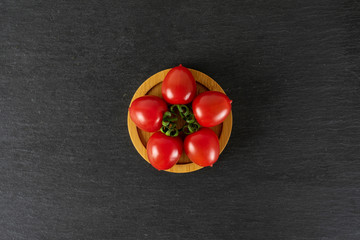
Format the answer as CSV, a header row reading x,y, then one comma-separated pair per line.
x,y
169,124
191,128
170,132
186,113
170,119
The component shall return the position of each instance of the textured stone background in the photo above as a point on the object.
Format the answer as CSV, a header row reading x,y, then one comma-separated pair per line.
x,y
68,70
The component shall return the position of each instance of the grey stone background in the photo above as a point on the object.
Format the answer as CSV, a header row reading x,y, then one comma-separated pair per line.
x,y
68,169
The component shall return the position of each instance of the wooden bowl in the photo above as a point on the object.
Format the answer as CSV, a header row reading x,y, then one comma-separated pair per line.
x,y
152,86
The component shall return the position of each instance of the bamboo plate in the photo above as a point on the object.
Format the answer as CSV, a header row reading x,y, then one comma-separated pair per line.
x,y
152,86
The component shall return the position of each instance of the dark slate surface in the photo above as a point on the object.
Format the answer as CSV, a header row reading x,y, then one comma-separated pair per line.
x,y
69,69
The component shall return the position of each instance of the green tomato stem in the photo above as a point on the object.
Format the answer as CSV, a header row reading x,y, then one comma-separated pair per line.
x,y
171,132
170,118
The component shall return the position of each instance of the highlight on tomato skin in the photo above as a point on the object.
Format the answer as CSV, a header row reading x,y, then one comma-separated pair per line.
x,y
211,108
179,86
164,151
202,147
147,112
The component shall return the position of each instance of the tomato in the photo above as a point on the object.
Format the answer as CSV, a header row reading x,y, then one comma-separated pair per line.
x,y
147,112
163,151
179,86
202,147
211,108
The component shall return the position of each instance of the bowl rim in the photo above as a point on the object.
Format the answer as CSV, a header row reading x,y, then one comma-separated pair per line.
x,y
157,78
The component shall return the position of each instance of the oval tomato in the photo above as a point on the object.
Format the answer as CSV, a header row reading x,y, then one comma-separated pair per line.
x,y
147,112
163,151
179,86
202,147
211,108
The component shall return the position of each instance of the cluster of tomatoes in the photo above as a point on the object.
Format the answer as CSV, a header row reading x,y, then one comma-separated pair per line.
x,y
152,114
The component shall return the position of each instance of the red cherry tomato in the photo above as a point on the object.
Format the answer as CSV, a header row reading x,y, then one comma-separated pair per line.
x,y
163,151
211,108
179,86
147,112
202,147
